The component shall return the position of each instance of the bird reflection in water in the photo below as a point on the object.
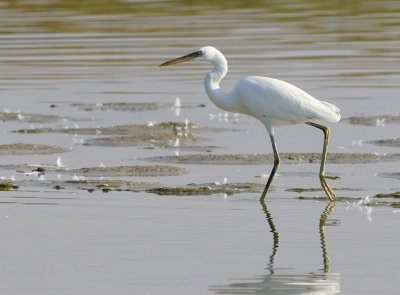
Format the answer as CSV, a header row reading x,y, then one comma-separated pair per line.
x,y
319,282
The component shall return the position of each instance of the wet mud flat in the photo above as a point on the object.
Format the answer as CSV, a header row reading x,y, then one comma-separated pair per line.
x,y
106,185
154,139
130,171
377,120
135,129
8,116
379,200
90,178
190,190
89,185
393,142
113,171
176,134
194,189
162,135
123,106
395,175
30,118
133,106
30,149
107,178
286,158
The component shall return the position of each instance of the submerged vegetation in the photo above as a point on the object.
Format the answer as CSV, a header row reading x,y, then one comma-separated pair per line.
x,y
6,186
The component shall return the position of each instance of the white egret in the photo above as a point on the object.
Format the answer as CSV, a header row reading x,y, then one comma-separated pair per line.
x,y
271,101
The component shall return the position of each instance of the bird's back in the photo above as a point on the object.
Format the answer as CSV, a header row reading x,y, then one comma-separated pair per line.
x,y
278,102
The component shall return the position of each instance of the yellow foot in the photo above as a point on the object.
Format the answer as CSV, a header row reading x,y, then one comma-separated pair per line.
x,y
328,191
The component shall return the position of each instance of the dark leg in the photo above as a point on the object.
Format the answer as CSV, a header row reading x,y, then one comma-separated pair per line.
x,y
329,192
275,234
274,169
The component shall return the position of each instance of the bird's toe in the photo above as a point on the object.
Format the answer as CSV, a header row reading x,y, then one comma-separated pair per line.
x,y
332,177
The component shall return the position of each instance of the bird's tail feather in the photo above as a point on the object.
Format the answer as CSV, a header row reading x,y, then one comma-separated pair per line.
x,y
334,112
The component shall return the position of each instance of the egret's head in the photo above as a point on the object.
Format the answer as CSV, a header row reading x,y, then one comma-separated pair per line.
x,y
206,53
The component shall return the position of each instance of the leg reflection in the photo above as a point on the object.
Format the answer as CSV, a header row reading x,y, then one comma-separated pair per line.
x,y
280,280
275,236
322,222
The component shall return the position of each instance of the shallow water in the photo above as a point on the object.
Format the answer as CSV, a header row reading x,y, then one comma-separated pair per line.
x,y
68,65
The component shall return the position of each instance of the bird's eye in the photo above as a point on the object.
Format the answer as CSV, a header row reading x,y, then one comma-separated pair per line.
x,y
199,53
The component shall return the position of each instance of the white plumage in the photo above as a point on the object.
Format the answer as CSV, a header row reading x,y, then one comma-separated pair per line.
x,y
273,102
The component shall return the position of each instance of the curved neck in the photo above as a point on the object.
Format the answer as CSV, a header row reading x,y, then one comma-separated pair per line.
x,y
212,80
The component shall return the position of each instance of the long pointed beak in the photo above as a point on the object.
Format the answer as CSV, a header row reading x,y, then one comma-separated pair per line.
x,y
184,58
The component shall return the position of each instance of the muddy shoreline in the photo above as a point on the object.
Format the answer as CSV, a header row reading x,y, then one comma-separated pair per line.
x,y
184,135
190,190
378,120
30,149
286,158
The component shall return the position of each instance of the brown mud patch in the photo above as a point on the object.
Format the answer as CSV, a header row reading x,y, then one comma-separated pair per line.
x,y
395,175
90,185
130,171
395,195
130,106
113,171
208,189
379,200
31,118
373,120
105,185
286,158
394,142
122,106
29,149
7,185
384,204
38,168
136,129
157,139
325,198
322,196
167,134
382,200
317,189
192,189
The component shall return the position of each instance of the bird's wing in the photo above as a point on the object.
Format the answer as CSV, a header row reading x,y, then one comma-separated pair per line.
x,y
281,102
